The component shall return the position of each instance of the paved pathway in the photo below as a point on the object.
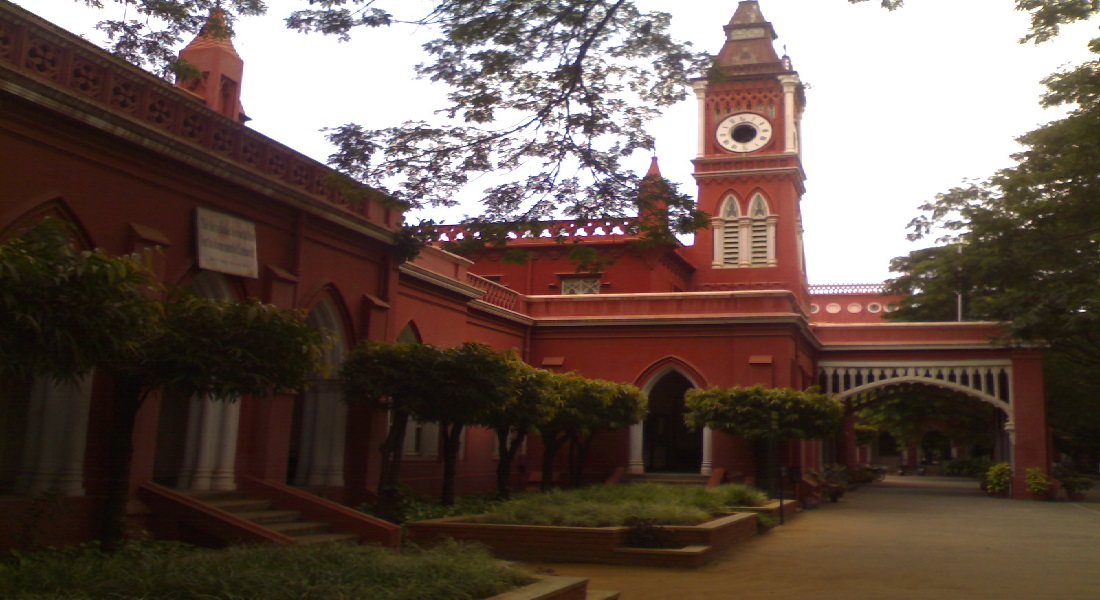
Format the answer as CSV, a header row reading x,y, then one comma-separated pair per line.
x,y
905,538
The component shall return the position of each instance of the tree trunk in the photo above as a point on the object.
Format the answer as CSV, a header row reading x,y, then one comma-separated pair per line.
x,y
452,441
389,472
580,453
550,447
508,450
126,399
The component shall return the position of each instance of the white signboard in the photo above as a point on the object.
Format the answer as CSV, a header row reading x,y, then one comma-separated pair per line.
x,y
226,244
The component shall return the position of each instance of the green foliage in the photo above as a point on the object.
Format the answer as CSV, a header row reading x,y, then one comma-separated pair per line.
x,y
759,413
606,506
909,411
558,92
66,311
1036,481
220,349
1020,245
160,570
966,467
647,533
1072,481
997,479
412,507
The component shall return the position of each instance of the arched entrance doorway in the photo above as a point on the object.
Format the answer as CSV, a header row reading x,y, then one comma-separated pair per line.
x,y
667,444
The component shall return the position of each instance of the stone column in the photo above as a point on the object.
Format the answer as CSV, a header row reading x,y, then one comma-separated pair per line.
x,y
637,459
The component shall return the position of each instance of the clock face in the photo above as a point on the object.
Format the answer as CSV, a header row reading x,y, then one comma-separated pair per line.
x,y
743,132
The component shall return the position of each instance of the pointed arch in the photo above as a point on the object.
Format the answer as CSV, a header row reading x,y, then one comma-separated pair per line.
x,y
760,232
726,232
44,423
57,209
661,442
318,436
664,366
410,333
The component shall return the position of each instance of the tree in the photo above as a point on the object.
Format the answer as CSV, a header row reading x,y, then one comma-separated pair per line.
x,y
622,405
394,377
909,411
535,398
759,413
67,312
588,406
209,349
472,384
556,92
764,415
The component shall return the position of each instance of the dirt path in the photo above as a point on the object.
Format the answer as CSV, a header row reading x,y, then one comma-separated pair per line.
x,y
906,538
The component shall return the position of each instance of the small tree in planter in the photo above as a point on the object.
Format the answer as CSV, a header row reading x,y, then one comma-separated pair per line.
x,y
758,413
1038,484
472,383
997,479
394,377
534,400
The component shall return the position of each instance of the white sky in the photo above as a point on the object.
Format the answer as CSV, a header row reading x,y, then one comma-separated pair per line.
x,y
901,105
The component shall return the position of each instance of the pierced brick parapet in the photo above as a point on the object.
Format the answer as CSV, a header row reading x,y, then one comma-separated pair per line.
x,y
847,288
127,96
594,230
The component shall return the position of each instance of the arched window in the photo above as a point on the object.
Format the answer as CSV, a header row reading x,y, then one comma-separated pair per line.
x,y
744,240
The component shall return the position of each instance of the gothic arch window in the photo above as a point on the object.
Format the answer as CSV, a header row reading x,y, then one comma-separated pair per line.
x,y
318,433
744,240
421,439
44,423
202,455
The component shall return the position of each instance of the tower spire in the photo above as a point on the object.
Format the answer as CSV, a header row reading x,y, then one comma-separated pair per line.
x,y
220,67
749,38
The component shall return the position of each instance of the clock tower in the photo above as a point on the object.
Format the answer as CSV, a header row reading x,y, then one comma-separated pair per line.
x,y
748,164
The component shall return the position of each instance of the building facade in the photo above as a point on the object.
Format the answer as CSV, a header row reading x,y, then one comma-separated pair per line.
x,y
138,165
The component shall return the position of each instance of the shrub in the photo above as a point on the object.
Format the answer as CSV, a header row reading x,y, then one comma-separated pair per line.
x,y
967,467
1072,481
606,506
1036,481
447,571
647,533
997,479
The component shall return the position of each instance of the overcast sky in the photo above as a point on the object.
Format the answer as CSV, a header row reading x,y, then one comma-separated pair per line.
x,y
901,105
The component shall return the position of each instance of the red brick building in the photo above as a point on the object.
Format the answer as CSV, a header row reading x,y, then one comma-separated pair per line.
x,y
137,164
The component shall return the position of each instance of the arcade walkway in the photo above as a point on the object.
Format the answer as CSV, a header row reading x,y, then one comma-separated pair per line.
x,y
908,538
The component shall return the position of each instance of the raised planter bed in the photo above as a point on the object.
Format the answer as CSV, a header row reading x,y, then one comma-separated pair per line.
x,y
791,508
556,588
605,545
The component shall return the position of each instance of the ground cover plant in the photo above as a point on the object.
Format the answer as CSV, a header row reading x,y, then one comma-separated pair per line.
x,y
608,506
174,571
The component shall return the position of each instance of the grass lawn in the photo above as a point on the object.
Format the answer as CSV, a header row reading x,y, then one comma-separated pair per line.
x,y
336,571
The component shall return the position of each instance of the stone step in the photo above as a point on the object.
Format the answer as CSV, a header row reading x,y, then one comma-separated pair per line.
x,y
327,538
601,595
668,478
240,504
299,528
264,517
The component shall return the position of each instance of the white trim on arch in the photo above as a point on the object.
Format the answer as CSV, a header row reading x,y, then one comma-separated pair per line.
x,y
636,465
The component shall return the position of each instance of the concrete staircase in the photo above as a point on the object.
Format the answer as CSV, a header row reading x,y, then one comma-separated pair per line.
x,y
263,513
